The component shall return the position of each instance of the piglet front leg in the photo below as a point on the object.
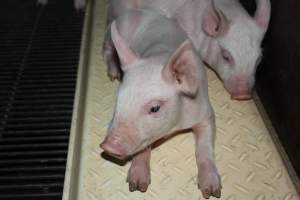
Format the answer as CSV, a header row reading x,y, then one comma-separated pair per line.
x,y
139,176
110,55
111,58
208,177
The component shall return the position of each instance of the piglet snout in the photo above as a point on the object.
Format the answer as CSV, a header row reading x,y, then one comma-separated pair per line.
x,y
113,147
240,89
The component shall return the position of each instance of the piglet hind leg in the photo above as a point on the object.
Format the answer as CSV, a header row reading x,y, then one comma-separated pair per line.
x,y
208,177
139,176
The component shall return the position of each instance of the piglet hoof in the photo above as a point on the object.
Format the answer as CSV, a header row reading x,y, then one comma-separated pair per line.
x,y
114,73
209,182
138,177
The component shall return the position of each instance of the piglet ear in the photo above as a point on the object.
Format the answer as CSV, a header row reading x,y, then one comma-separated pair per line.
x,y
262,13
214,21
181,69
126,55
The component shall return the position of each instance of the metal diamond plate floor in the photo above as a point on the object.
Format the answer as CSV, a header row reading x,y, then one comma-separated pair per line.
x,y
246,157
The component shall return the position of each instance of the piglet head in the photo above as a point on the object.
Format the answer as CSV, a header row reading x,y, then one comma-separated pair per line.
x,y
236,53
149,100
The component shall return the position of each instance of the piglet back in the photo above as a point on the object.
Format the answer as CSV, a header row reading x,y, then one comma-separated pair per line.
x,y
145,29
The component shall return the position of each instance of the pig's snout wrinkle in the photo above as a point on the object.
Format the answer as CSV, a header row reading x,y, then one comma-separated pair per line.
x,y
112,147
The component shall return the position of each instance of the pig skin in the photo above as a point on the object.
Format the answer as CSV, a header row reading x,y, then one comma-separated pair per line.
x,y
161,68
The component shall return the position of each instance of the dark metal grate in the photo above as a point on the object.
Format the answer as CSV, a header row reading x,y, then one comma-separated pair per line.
x,y
39,50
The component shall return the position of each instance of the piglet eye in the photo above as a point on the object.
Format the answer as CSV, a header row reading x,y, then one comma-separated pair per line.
x,y
227,57
154,109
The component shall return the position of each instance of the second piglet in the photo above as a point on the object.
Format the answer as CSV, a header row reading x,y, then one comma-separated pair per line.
x,y
163,90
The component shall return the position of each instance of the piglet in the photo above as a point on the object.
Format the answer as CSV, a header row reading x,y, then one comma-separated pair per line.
x,y
226,37
163,90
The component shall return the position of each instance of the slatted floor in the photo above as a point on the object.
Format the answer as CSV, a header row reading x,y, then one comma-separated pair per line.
x,y
39,48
